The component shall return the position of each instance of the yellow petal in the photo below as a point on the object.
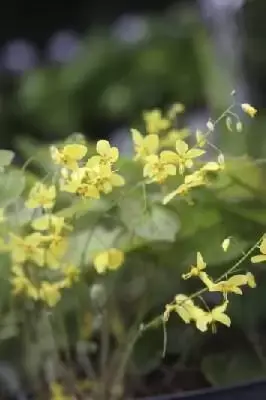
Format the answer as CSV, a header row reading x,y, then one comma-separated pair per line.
x,y
251,280
101,262
152,143
193,153
181,147
258,259
137,137
103,147
116,258
263,246
75,151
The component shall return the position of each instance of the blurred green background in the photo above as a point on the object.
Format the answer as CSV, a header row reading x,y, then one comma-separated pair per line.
x,y
133,58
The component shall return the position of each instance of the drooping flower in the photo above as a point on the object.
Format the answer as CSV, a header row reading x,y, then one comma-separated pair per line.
x,y
217,314
231,285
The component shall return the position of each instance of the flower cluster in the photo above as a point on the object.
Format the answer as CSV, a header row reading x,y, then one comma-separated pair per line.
x,y
87,178
164,152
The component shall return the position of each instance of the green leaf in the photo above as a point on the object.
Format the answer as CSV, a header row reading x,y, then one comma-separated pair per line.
x,y
158,224
12,184
232,367
6,157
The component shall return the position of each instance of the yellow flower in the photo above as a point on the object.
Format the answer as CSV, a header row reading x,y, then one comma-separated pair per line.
x,y
217,314
69,155
21,284
154,122
248,109
184,307
72,275
41,196
190,181
261,257
27,248
50,222
144,146
186,156
50,293
231,285
108,259
106,179
197,269
76,183
158,168
56,251
108,154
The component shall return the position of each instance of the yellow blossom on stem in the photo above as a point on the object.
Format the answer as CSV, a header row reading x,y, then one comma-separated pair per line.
x,y
27,248
41,196
158,168
260,257
107,179
154,122
77,183
107,154
196,269
56,251
52,223
144,146
190,181
217,314
21,284
50,293
71,275
230,285
248,109
108,259
186,155
69,155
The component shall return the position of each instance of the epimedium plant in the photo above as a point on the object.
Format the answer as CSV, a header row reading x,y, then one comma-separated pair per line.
x,y
49,252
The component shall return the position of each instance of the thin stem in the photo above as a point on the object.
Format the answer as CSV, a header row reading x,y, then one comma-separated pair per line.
x,y
158,320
